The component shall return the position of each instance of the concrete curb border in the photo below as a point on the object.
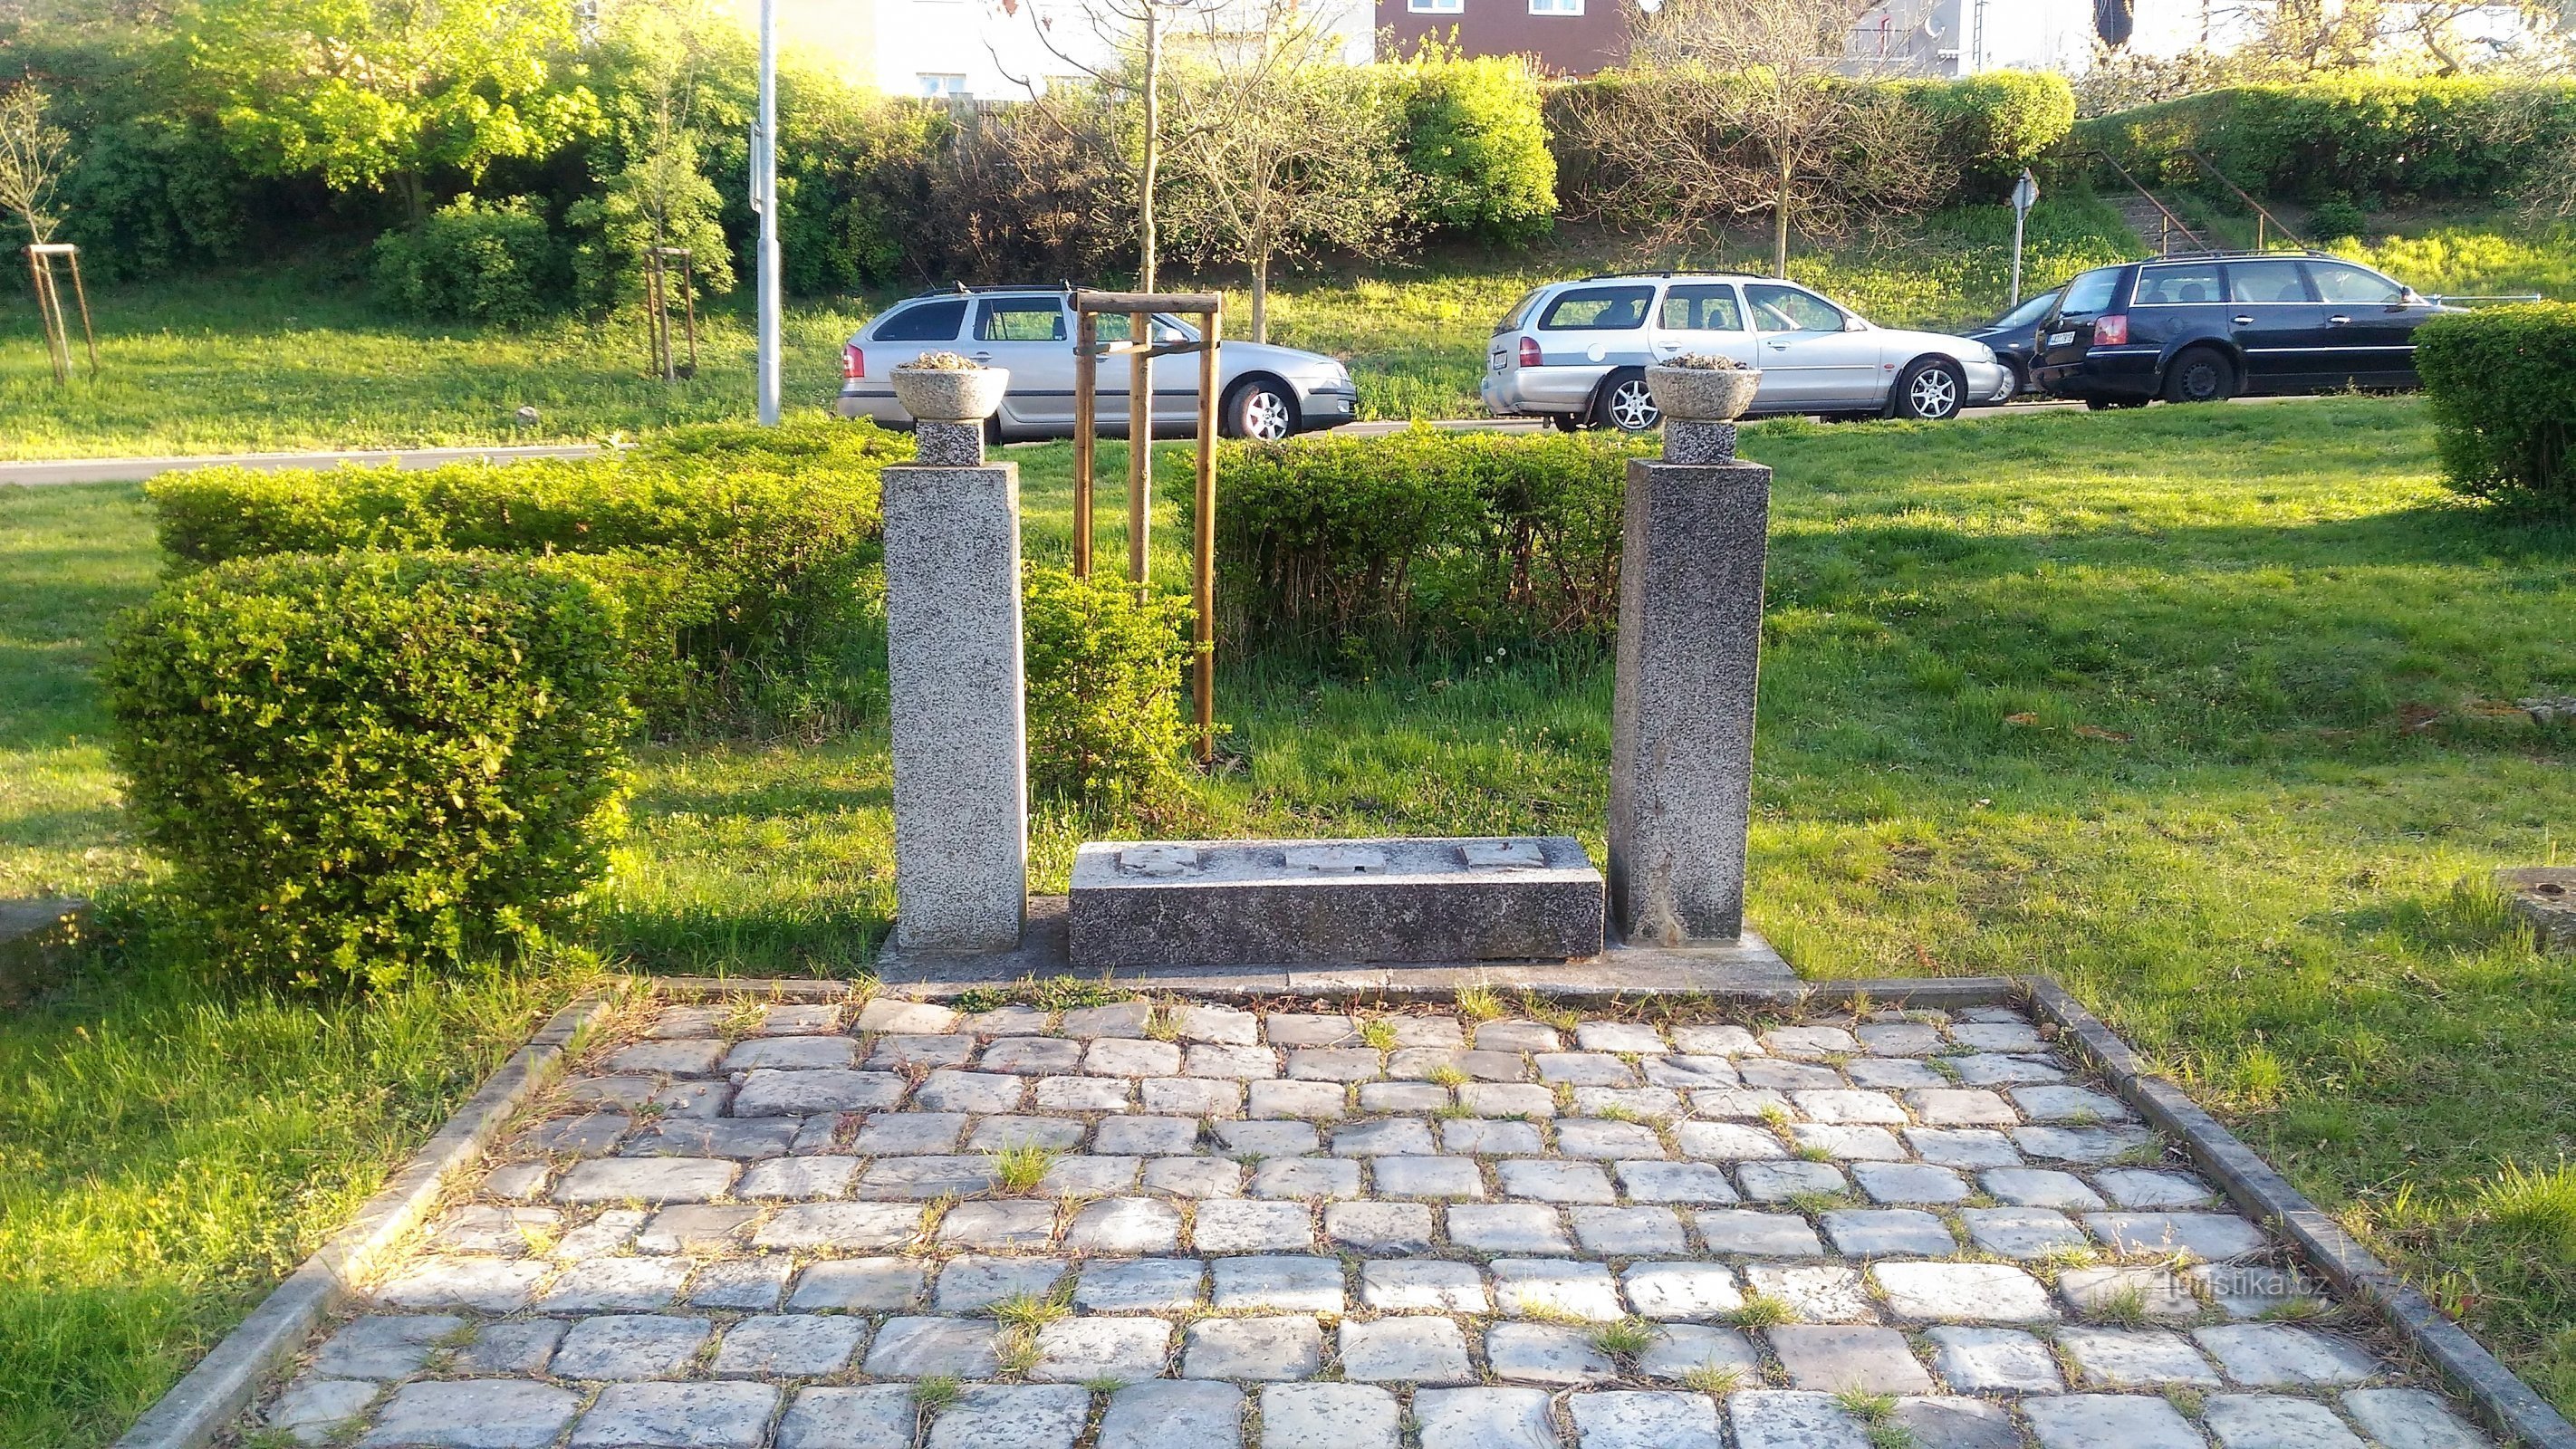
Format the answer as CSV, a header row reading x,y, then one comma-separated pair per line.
x,y
223,1384
214,1394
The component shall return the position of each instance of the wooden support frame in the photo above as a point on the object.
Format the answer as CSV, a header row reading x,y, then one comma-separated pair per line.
x,y
49,306
1140,350
658,265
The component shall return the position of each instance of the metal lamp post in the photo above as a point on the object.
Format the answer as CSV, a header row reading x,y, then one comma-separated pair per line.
x,y
764,199
2025,195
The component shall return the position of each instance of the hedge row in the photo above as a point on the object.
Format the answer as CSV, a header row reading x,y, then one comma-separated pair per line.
x,y
2369,139
2502,387
739,551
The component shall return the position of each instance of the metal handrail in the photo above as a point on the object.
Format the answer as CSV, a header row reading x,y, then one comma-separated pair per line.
x,y
2173,223
2261,214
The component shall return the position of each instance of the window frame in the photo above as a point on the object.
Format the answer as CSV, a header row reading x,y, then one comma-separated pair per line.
x,y
2317,269
1729,292
1556,9
923,81
1547,316
1753,310
2217,276
1435,7
2297,269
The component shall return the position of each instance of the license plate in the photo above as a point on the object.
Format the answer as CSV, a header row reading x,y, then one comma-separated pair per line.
x,y
2060,339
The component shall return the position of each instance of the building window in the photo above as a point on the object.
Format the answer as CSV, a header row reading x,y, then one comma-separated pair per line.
x,y
1556,7
1435,7
936,87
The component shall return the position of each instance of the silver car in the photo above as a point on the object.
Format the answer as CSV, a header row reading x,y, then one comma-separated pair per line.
x,y
1263,392
1576,352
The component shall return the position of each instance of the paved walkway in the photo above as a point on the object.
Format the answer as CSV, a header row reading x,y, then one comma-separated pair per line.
x,y
1196,1227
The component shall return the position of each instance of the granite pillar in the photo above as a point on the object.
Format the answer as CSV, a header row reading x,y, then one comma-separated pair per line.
x,y
961,814
1681,730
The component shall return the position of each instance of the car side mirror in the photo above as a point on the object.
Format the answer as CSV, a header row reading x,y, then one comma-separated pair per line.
x,y
1854,324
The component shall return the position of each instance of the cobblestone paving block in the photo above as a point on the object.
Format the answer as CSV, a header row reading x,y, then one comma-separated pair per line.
x,y
1629,1232
2091,1145
876,1416
1031,1056
316,1410
921,1348
1278,1282
1546,1353
696,1228
1379,1227
1696,1183
1961,1107
1009,1224
1012,1416
1835,1358
1424,1286
1390,1137
1276,1349
1847,1142
977,1282
1328,1416
1229,1225
1026,1021
1659,1104
1000,1134
1148,1285
2209,1237
1961,1293
1306,1178
803,1093
1230,1063
1508,1228
842,1226
1269,1138
2270,1421
1194,1177
1192,1097
2269,1354
792,1053
1335,1064
1728,1142
1311,1029
2042,1187
1690,1073
1850,1105
1714,1041
1084,1094
2025,1233
1087,1176
1882,1232
1818,1292
681,1058
797,1179
910,1134
645,1179
742,1284
1417,1350
1999,1070
1555,1288
591,1134
1781,1181
1593,1138
383,1346
1809,1041
1172,1414
1584,1069
1454,1178
1629,1037
1146,1136
1782,1077
2066,1103
2113,1292
2139,1187
1485,1419
1946,1422
1125,1057
1690,1352
1517,1036
513,1348
473,1414
1485,1136
1744,1233
1993,1360
609,1232
677,1022
895,1053
1117,1019
2411,1419
1681,1290
2119,1358
2254,1290
1545,1181
1893,1074
618,1091
859,1284
488,1285
1316,1101
1507,1099
630,1346
1403,1097
789,1345
1080,1350
1899,1038
1969,1148
1784,1419
887,1014
1908,1182
694,1099
1125,1225
604,1284
2093,1421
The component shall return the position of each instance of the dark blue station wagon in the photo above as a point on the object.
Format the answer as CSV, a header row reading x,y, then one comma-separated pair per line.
x,y
2210,326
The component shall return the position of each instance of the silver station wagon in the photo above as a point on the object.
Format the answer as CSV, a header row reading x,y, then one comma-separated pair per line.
x,y
1263,391
1576,353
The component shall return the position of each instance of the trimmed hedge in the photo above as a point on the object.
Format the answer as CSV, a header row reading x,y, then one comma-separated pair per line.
x,y
1104,687
1475,135
2502,386
1445,536
2365,138
737,549
368,763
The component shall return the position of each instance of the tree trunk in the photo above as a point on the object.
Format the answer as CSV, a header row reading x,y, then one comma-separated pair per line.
x,y
1780,226
1261,298
407,185
1153,160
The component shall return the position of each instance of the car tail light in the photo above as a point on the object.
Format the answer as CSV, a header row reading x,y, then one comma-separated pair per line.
x,y
2111,331
854,363
1529,352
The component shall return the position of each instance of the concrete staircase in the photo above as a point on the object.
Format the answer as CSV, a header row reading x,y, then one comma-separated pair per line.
x,y
2155,234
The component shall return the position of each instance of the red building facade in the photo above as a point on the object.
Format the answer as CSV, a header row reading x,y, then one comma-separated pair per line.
x,y
1563,37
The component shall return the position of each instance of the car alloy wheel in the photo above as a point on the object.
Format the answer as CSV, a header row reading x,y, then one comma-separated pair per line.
x,y
1931,393
1632,408
1265,415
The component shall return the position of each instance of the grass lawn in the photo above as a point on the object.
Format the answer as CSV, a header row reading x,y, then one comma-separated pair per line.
x,y
2177,705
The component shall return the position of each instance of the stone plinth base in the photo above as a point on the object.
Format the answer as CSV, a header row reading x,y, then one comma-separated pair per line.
x,y
1290,902
2545,895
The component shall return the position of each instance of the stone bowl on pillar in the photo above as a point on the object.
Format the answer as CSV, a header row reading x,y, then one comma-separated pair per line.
x,y
945,388
1703,393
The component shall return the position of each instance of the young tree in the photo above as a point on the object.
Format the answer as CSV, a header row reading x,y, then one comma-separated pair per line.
x,y
1285,147
377,94
31,159
653,192
1745,107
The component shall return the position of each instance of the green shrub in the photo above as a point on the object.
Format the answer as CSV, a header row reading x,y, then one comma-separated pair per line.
x,y
1104,684
1992,125
474,261
1420,534
2502,386
365,763
1475,133
739,550
2335,219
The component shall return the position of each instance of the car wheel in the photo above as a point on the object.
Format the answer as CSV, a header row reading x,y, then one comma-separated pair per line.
x,y
2200,374
1625,404
1932,390
1566,422
1262,409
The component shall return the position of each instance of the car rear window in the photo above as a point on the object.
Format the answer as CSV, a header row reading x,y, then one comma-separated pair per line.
x,y
1598,309
1520,309
2178,286
2089,295
922,322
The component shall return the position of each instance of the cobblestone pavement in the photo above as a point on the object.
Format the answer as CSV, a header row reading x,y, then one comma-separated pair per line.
x,y
1175,1226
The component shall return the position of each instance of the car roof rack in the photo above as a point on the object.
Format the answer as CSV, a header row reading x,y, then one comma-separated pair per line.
x,y
1623,276
960,289
2235,253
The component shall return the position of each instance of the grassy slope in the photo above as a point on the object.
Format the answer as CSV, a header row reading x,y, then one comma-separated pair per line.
x,y
2270,884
